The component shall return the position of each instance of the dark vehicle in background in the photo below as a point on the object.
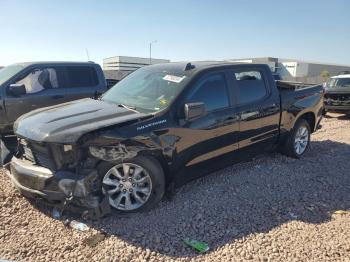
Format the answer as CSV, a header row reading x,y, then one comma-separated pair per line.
x,y
28,86
157,128
111,82
277,77
337,94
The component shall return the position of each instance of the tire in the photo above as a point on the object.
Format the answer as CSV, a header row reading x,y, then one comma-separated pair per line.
x,y
290,148
152,176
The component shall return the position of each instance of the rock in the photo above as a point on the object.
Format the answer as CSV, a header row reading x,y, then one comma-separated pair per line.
x,y
239,223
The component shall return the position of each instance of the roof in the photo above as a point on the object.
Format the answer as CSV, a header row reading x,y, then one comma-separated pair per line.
x,y
52,62
177,68
341,76
198,65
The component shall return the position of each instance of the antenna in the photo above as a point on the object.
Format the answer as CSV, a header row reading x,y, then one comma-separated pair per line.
x,y
189,66
87,54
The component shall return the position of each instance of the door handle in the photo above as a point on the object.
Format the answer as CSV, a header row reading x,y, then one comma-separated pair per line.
x,y
231,119
57,96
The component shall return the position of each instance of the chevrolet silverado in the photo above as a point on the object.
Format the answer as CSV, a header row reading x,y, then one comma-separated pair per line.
x,y
160,126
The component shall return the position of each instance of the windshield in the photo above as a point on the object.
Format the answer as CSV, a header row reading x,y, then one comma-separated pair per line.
x,y
147,89
7,72
338,82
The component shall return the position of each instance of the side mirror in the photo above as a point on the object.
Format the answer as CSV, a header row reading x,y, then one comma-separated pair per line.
x,y
17,90
194,110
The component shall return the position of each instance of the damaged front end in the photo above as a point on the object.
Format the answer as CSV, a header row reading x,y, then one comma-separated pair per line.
x,y
8,147
68,175
61,174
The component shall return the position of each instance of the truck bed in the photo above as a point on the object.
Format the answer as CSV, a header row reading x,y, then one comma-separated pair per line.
x,y
292,85
296,96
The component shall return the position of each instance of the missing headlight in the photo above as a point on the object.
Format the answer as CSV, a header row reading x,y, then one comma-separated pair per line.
x,y
110,153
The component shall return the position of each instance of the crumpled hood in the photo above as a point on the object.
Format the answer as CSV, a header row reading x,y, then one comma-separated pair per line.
x,y
66,123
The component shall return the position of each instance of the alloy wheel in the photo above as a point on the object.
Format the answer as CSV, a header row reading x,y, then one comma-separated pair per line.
x,y
301,140
128,186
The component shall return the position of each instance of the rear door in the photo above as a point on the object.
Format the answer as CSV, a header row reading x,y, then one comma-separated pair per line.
x,y
258,105
82,81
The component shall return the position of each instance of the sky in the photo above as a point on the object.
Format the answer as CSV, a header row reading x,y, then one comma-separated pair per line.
x,y
315,30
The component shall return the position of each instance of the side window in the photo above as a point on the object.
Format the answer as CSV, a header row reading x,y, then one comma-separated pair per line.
x,y
39,79
81,76
251,86
212,91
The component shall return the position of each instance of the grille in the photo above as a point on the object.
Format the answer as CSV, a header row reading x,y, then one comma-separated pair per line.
x,y
37,153
337,99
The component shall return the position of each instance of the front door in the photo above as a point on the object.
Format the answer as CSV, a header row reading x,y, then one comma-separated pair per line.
x,y
214,134
43,88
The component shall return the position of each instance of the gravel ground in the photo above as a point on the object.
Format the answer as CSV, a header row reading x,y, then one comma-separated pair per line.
x,y
271,209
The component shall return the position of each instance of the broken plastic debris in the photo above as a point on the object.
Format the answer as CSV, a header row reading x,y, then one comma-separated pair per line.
x,y
56,214
341,212
199,246
292,215
78,225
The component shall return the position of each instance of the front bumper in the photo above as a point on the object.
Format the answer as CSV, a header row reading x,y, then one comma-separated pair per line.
x,y
39,182
337,108
337,102
32,181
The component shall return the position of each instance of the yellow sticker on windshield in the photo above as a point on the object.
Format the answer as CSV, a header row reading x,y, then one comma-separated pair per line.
x,y
163,102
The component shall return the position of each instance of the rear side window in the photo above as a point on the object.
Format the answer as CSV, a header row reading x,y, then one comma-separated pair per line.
x,y
81,76
251,86
212,91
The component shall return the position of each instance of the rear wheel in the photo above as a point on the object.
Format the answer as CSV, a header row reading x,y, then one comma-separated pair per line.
x,y
299,139
134,185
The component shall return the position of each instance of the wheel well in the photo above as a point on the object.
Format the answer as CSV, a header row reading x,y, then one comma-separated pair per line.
x,y
310,118
160,159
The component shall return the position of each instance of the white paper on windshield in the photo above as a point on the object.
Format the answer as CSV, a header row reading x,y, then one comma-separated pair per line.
x,y
175,79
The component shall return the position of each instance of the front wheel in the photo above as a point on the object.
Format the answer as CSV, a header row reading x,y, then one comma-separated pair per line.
x,y
134,185
299,139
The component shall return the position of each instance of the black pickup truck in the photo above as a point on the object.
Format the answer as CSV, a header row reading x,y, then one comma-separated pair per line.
x,y
159,127
28,86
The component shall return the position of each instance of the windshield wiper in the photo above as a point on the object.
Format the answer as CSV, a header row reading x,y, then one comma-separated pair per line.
x,y
127,107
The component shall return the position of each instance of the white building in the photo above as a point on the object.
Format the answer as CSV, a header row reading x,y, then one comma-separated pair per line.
x,y
129,63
